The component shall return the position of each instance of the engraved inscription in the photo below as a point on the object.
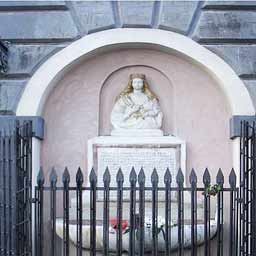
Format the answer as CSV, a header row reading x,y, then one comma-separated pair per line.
x,y
126,158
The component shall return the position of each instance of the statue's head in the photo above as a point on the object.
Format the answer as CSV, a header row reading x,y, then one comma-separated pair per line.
x,y
137,81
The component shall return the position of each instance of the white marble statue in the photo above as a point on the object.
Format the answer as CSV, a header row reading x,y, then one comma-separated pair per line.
x,y
136,108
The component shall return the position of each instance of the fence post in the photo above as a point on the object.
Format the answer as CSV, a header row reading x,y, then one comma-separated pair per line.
x,y
53,182
154,181
180,183
120,181
79,183
65,181
133,180
193,182
93,184
39,218
106,181
220,182
141,181
232,235
207,230
168,219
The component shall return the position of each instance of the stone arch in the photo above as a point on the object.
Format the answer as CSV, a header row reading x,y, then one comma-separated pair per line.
x,y
45,78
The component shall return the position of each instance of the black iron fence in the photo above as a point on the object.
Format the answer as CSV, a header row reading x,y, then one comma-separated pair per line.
x,y
185,233
15,189
222,223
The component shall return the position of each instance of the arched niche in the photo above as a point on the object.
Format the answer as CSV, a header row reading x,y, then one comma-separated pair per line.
x,y
43,82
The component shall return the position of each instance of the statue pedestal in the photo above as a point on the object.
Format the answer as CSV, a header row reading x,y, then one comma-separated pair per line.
x,y
116,152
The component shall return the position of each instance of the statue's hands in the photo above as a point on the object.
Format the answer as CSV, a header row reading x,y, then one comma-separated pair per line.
x,y
131,110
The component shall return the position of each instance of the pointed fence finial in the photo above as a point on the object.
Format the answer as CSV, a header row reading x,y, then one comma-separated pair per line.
x,y
206,177
193,177
220,177
232,179
66,176
167,176
141,177
180,177
40,177
79,176
119,176
93,176
154,177
53,176
106,176
133,176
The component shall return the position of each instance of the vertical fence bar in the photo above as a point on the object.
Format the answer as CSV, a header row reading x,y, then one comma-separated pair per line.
x,y
120,181
10,206
193,182
133,180
154,181
65,181
106,181
241,192
180,183
167,181
53,182
253,213
40,237
141,181
79,183
232,183
4,198
1,192
93,184
13,190
246,191
220,182
206,181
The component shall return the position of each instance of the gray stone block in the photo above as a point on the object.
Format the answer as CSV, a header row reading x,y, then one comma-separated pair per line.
x,y
94,16
136,13
251,87
226,25
32,5
177,15
37,25
24,59
242,58
10,92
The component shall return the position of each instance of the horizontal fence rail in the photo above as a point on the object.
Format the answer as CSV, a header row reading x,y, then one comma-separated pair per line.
x,y
136,234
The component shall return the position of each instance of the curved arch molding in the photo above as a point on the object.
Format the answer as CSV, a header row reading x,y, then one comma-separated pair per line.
x,y
45,78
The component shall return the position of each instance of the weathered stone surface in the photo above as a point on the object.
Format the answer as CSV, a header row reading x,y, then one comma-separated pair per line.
x,y
177,15
32,5
242,58
10,92
136,14
251,87
37,25
24,59
226,25
229,4
94,16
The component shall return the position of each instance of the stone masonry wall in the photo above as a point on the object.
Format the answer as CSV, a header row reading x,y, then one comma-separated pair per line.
x,y
38,29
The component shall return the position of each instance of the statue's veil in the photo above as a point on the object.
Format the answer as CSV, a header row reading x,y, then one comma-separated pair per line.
x,y
129,89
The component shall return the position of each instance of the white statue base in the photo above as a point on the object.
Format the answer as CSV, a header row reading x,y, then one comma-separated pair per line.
x,y
137,132
160,152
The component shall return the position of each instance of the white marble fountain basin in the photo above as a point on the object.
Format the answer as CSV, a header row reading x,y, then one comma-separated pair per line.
x,y
148,236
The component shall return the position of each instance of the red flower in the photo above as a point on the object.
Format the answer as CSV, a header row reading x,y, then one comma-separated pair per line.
x,y
114,222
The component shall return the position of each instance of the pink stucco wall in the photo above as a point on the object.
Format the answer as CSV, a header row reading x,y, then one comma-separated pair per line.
x,y
194,108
